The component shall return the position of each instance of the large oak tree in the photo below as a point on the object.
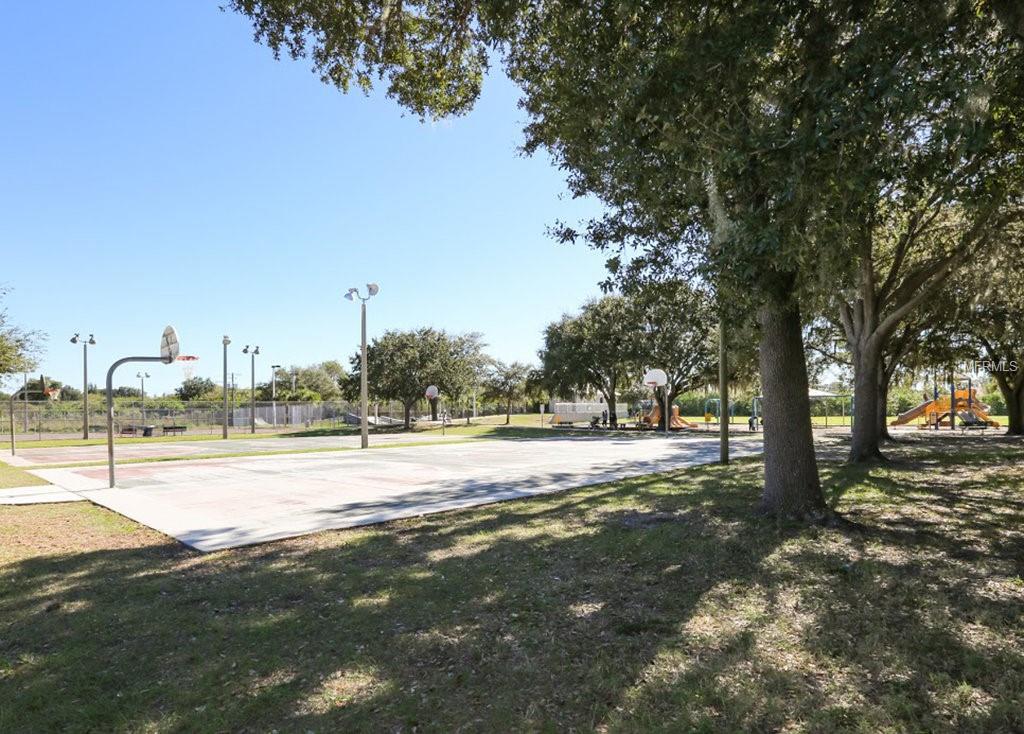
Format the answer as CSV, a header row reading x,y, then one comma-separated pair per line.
x,y
712,128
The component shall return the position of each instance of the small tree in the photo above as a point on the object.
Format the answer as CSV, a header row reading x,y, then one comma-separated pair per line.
x,y
673,327
401,364
18,347
323,381
194,388
994,324
506,383
591,351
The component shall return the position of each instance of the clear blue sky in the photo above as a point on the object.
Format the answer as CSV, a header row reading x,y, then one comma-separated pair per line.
x,y
157,166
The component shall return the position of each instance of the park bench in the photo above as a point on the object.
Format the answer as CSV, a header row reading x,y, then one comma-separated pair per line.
x,y
174,430
129,430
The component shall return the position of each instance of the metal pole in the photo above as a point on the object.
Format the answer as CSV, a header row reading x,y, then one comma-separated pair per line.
x,y
12,423
224,427
110,407
952,402
723,395
668,422
364,430
252,394
24,397
142,382
273,393
85,389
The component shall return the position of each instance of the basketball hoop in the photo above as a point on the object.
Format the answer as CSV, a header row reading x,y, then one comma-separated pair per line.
x,y
169,348
655,378
187,369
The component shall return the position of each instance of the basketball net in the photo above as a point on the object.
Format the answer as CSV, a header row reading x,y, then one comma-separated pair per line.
x,y
187,368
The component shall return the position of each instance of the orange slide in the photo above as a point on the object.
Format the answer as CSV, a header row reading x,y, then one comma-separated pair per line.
x,y
966,403
653,418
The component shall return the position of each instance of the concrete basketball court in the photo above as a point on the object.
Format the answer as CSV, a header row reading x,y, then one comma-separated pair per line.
x,y
218,503
29,456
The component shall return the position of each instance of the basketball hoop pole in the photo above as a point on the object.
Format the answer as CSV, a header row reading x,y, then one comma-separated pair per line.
x,y
169,351
110,405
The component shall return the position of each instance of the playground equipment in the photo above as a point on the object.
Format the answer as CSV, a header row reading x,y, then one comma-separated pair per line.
x,y
938,412
713,409
813,394
677,422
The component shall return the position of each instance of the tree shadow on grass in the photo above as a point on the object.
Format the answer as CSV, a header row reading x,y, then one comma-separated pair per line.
x,y
522,615
652,603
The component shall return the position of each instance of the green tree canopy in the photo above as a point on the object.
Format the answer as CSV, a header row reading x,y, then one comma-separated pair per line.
x,y
718,135
506,383
195,388
321,381
402,364
592,351
19,348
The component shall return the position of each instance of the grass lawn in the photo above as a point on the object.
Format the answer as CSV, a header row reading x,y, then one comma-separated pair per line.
x,y
11,476
654,603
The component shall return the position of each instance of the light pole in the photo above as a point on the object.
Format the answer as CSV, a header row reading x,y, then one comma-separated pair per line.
x,y
85,379
273,391
142,380
364,431
252,393
224,427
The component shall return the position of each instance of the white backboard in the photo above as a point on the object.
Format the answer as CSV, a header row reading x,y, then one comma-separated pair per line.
x,y
655,378
432,392
169,348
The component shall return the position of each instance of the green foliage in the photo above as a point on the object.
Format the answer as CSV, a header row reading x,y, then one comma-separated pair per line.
x,y
607,347
19,348
432,55
591,352
322,381
506,383
402,364
195,388
674,327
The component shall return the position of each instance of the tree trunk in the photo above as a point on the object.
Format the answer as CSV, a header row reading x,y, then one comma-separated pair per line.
x,y
1016,410
433,409
1014,407
671,401
791,484
613,420
408,415
883,405
508,412
864,446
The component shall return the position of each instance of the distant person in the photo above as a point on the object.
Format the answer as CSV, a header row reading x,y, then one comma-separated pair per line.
x,y
604,417
752,423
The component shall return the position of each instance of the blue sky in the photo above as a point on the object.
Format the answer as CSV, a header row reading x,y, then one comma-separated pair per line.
x,y
157,166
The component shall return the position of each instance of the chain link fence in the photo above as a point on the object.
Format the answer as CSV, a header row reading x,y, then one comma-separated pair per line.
x,y
56,419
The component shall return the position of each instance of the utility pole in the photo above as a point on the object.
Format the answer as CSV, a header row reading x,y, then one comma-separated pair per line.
x,y
224,428
723,395
372,289
273,390
142,380
252,394
85,380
